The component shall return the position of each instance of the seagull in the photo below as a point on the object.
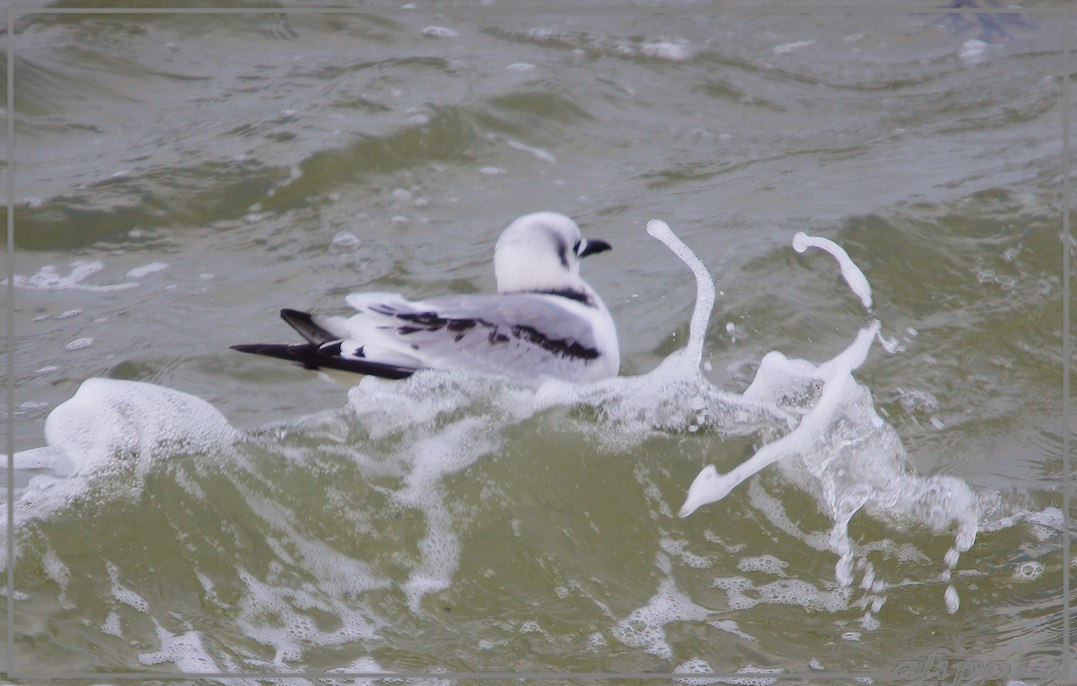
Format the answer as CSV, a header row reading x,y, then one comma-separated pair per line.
x,y
544,323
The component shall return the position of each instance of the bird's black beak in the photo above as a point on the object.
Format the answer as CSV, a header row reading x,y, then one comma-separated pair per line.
x,y
591,247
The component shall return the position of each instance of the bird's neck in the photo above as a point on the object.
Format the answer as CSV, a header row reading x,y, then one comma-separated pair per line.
x,y
580,295
578,290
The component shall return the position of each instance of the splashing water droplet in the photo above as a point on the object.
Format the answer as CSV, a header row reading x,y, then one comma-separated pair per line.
x,y
858,283
953,601
697,329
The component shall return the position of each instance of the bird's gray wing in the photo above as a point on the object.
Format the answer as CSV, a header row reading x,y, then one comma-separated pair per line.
x,y
521,336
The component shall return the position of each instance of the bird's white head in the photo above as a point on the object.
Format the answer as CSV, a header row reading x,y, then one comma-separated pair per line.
x,y
541,252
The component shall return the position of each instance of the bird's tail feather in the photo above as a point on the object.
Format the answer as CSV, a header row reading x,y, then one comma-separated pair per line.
x,y
313,356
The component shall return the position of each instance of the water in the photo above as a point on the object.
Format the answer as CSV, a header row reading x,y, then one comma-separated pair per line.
x,y
184,508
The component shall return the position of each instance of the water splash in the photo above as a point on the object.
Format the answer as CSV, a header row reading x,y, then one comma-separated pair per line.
x,y
697,329
107,418
858,283
854,457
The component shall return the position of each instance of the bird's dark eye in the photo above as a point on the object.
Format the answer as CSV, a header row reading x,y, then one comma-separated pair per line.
x,y
576,247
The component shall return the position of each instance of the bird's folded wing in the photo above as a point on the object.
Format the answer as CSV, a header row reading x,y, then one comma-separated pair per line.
x,y
521,336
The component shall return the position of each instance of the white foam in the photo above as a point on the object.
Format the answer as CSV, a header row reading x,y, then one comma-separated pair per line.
x,y
645,626
338,574
697,329
915,400
45,457
674,52
284,612
774,511
842,451
869,622
79,343
786,48
710,486
187,651
695,666
112,626
951,599
440,32
998,513
768,564
207,584
679,548
742,594
1028,571
188,484
56,570
432,449
110,428
973,51
537,152
867,582
890,345
108,419
699,666
855,278
123,594
756,680
731,627
364,665
139,272
49,278
951,558
345,241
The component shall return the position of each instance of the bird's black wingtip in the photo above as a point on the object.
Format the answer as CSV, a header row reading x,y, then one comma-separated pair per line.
x,y
304,324
312,357
302,353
